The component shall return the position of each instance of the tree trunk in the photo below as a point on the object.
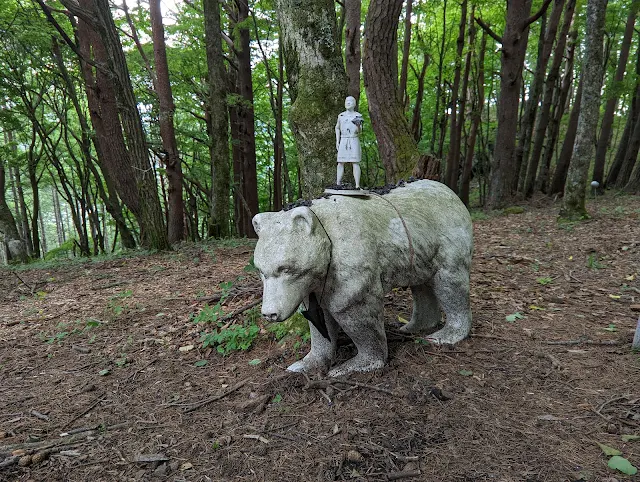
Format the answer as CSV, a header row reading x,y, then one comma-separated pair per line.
x,y
545,110
441,53
167,108
514,47
476,117
613,92
564,159
58,216
398,150
278,152
218,122
8,227
416,118
547,38
24,217
620,170
404,69
557,112
353,55
575,187
317,85
451,176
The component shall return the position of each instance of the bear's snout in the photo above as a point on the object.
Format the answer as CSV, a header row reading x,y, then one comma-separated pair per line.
x,y
270,316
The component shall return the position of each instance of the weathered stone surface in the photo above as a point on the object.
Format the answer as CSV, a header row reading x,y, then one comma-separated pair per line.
x,y
349,251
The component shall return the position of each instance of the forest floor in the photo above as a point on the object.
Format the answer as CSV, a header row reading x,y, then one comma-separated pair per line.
x,y
103,378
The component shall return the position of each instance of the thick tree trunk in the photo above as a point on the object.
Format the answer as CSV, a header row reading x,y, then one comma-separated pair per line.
x,y
564,159
218,122
353,55
175,224
278,152
545,110
404,68
547,38
398,150
557,111
620,171
317,84
24,217
613,91
8,227
476,117
514,47
575,187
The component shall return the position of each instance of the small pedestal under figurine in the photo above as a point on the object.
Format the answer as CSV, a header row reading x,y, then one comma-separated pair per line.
x,y
348,130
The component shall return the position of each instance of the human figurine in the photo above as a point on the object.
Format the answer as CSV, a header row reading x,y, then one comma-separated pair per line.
x,y
348,129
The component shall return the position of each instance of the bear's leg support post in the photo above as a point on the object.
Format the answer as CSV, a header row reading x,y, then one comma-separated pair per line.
x,y
340,173
426,310
356,174
452,291
365,326
323,351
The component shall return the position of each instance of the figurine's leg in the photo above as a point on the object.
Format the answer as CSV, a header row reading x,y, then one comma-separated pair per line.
x,y
323,351
451,287
340,173
426,310
356,174
364,324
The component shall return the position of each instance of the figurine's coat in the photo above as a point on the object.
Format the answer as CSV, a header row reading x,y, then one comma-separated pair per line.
x,y
350,251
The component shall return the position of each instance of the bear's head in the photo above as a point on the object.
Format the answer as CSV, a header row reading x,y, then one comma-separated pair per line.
x,y
292,255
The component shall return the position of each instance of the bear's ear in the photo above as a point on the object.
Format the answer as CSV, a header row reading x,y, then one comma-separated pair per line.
x,y
258,221
303,217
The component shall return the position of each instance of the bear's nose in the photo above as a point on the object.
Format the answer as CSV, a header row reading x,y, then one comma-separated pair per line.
x,y
271,316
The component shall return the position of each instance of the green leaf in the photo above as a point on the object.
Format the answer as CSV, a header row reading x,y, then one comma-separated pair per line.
x,y
201,363
513,317
465,373
277,398
612,328
622,465
630,438
255,361
104,372
609,450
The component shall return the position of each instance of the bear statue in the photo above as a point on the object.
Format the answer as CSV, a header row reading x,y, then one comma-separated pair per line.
x,y
341,254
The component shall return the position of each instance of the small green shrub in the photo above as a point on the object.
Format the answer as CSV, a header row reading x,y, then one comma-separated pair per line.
x,y
233,338
296,326
593,263
544,281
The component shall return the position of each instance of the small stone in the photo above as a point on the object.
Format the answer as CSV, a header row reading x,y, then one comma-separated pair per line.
x,y
161,470
354,456
39,457
24,461
612,428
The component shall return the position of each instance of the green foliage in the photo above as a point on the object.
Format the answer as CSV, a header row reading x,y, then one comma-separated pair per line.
x,y
622,465
544,281
514,316
513,210
64,330
592,262
296,326
232,338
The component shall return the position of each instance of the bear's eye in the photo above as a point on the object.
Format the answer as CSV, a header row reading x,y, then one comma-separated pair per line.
x,y
284,270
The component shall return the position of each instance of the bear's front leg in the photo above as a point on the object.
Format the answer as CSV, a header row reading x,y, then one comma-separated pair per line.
x,y
364,324
323,351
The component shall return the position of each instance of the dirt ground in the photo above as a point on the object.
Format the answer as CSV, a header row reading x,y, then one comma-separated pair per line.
x,y
98,381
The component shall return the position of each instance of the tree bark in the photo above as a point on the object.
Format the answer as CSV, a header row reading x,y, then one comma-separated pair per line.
x,y
353,55
217,122
583,150
398,150
545,110
453,157
175,224
404,68
612,94
317,85
416,117
562,164
441,53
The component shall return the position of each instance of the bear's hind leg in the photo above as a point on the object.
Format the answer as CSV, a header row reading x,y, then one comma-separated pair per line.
x,y
323,351
365,326
451,287
426,310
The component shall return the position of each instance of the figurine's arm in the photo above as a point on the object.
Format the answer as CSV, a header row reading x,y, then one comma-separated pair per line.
x,y
338,134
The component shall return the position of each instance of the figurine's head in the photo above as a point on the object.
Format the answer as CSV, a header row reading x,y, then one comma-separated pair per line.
x,y
350,103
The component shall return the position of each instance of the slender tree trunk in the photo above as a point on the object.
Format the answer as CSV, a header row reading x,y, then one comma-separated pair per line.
x,y
35,210
317,85
626,175
557,112
613,92
416,117
167,109
24,217
564,159
218,122
545,110
454,141
353,55
583,150
476,117
8,227
404,69
58,216
547,38
439,93
398,150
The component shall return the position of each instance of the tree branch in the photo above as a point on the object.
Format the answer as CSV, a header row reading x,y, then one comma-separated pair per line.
x,y
487,29
537,15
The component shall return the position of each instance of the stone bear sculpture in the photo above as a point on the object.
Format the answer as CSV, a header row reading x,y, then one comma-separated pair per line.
x,y
346,252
